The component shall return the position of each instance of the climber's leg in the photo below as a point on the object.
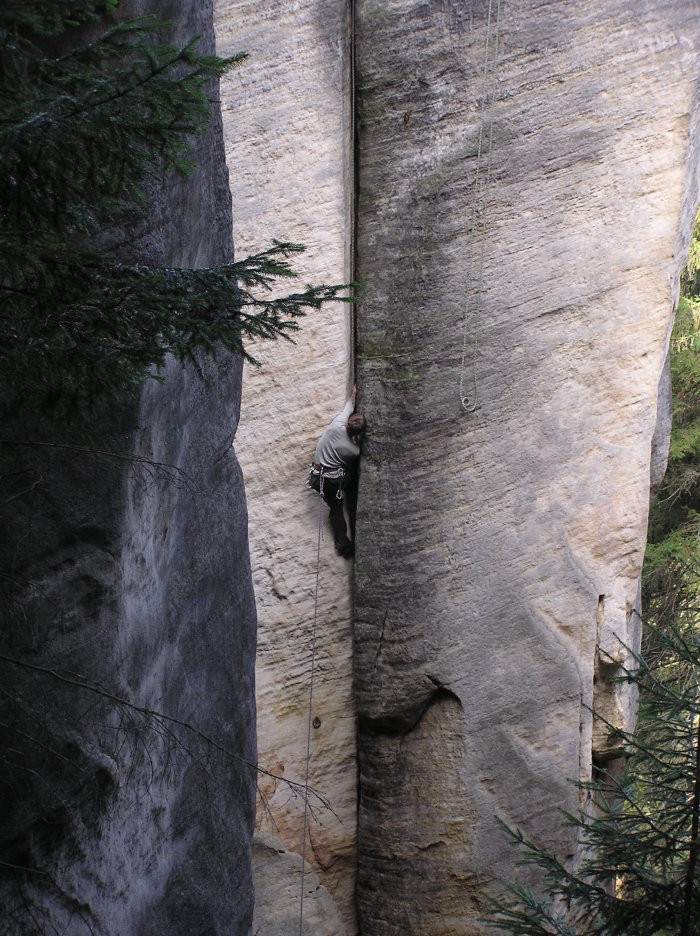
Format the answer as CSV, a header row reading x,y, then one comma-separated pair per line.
x,y
351,486
343,544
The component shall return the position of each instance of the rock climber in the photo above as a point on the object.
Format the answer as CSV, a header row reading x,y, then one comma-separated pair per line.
x,y
334,471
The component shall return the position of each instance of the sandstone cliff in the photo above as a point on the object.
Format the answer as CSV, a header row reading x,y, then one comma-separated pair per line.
x,y
518,234
287,128
530,217
499,551
135,577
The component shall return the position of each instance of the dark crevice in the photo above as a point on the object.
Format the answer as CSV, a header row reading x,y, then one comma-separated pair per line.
x,y
400,724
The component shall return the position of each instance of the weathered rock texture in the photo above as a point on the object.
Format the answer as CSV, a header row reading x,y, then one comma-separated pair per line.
x,y
286,123
499,552
277,876
134,577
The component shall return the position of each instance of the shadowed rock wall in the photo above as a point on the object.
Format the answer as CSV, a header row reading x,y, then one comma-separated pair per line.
x,y
499,552
137,578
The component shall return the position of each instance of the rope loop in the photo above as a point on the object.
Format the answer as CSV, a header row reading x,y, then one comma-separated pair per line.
x,y
469,398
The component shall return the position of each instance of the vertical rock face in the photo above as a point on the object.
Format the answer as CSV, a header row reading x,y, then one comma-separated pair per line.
x,y
133,583
520,231
286,124
499,551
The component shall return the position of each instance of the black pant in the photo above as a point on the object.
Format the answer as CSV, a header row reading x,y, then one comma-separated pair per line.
x,y
331,488
347,487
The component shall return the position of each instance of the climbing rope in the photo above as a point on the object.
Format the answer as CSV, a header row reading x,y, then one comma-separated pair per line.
x,y
353,368
469,400
354,190
311,698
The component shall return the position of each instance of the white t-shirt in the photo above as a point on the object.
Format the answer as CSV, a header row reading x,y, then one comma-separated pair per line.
x,y
335,448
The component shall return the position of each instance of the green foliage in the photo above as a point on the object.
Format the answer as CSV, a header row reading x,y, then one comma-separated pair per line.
x,y
674,518
639,874
51,18
78,328
690,277
674,526
90,117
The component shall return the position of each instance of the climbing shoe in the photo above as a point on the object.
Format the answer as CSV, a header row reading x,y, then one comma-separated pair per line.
x,y
347,551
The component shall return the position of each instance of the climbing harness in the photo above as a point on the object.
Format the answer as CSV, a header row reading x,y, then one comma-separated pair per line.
x,y
315,480
469,398
321,475
331,474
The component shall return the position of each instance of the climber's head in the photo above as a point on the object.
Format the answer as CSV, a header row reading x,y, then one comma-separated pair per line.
x,y
356,426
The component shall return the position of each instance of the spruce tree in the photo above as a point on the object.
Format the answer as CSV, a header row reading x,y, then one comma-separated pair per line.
x,y
640,874
92,110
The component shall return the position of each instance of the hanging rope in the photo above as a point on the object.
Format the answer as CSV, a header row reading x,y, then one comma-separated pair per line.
x,y
311,698
469,399
355,188
352,158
